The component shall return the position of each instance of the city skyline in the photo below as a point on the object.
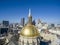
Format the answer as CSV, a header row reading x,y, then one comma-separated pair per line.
x,y
46,10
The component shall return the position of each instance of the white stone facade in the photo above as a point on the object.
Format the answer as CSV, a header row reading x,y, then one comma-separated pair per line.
x,y
29,40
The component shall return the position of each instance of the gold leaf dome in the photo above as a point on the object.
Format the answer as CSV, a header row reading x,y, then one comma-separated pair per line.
x,y
29,31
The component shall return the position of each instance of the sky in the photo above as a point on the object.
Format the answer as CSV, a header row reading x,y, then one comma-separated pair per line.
x,y
47,10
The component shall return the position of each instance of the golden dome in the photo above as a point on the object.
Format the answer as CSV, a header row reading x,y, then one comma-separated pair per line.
x,y
29,31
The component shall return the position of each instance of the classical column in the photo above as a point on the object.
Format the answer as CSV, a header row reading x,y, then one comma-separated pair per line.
x,y
27,43
33,43
22,42
38,40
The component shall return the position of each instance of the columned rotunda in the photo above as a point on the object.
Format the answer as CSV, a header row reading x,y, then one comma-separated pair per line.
x,y
29,35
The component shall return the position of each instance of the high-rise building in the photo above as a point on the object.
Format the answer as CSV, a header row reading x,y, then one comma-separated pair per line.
x,y
52,25
3,31
5,23
33,22
38,23
22,21
0,25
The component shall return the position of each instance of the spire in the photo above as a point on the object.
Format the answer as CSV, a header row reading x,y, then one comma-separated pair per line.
x,y
29,12
29,16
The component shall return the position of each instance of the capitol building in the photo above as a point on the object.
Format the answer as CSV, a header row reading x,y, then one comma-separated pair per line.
x,y
29,35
